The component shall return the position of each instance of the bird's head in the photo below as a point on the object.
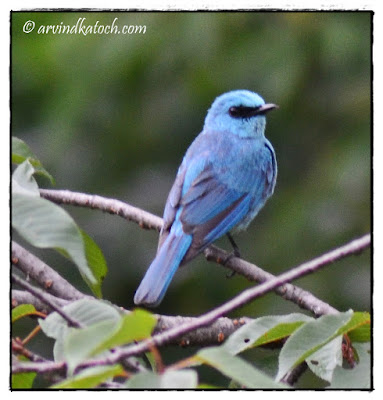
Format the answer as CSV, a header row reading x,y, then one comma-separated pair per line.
x,y
240,111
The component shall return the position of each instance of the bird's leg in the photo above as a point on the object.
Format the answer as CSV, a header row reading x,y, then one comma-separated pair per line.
x,y
234,253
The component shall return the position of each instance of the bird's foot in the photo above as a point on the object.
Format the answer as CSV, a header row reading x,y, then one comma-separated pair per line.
x,y
234,254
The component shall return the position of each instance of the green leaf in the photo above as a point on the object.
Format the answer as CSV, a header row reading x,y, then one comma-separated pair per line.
x,y
151,360
23,181
360,324
81,344
361,334
144,380
236,368
21,152
264,330
22,310
44,224
309,338
278,332
324,361
206,386
359,327
266,360
358,377
90,377
23,380
136,325
96,262
86,311
183,379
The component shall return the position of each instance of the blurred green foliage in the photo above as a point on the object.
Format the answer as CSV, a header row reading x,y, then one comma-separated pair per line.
x,y
114,114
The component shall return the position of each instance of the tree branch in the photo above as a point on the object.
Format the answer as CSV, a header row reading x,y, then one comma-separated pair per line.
x,y
18,348
44,275
146,220
37,269
42,296
142,218
252,272
39,367
176,327
238,301
23,297
212,335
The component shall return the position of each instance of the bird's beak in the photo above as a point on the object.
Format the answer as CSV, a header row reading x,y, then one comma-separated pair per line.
x,y
266,108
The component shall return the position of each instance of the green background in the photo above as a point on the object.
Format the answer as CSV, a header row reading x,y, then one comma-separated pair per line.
x,y
114,114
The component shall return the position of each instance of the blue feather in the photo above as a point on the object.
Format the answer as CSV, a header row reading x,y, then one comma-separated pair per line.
x,y
161,271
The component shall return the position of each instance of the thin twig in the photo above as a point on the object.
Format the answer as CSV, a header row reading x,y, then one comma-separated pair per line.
x,y
252,272
213,334
18,347
40,367
24,297
112,206
44,298
44,275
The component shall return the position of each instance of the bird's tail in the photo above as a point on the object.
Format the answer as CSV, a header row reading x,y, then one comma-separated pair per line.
x,y
162,269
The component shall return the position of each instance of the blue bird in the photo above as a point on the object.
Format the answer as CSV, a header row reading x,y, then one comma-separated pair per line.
x,y
225,178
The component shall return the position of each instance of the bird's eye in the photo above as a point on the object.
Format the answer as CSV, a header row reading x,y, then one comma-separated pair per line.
x,y
234,112
242,112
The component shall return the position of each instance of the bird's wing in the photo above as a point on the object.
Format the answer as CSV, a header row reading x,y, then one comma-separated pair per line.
x,y
209,209
210,204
